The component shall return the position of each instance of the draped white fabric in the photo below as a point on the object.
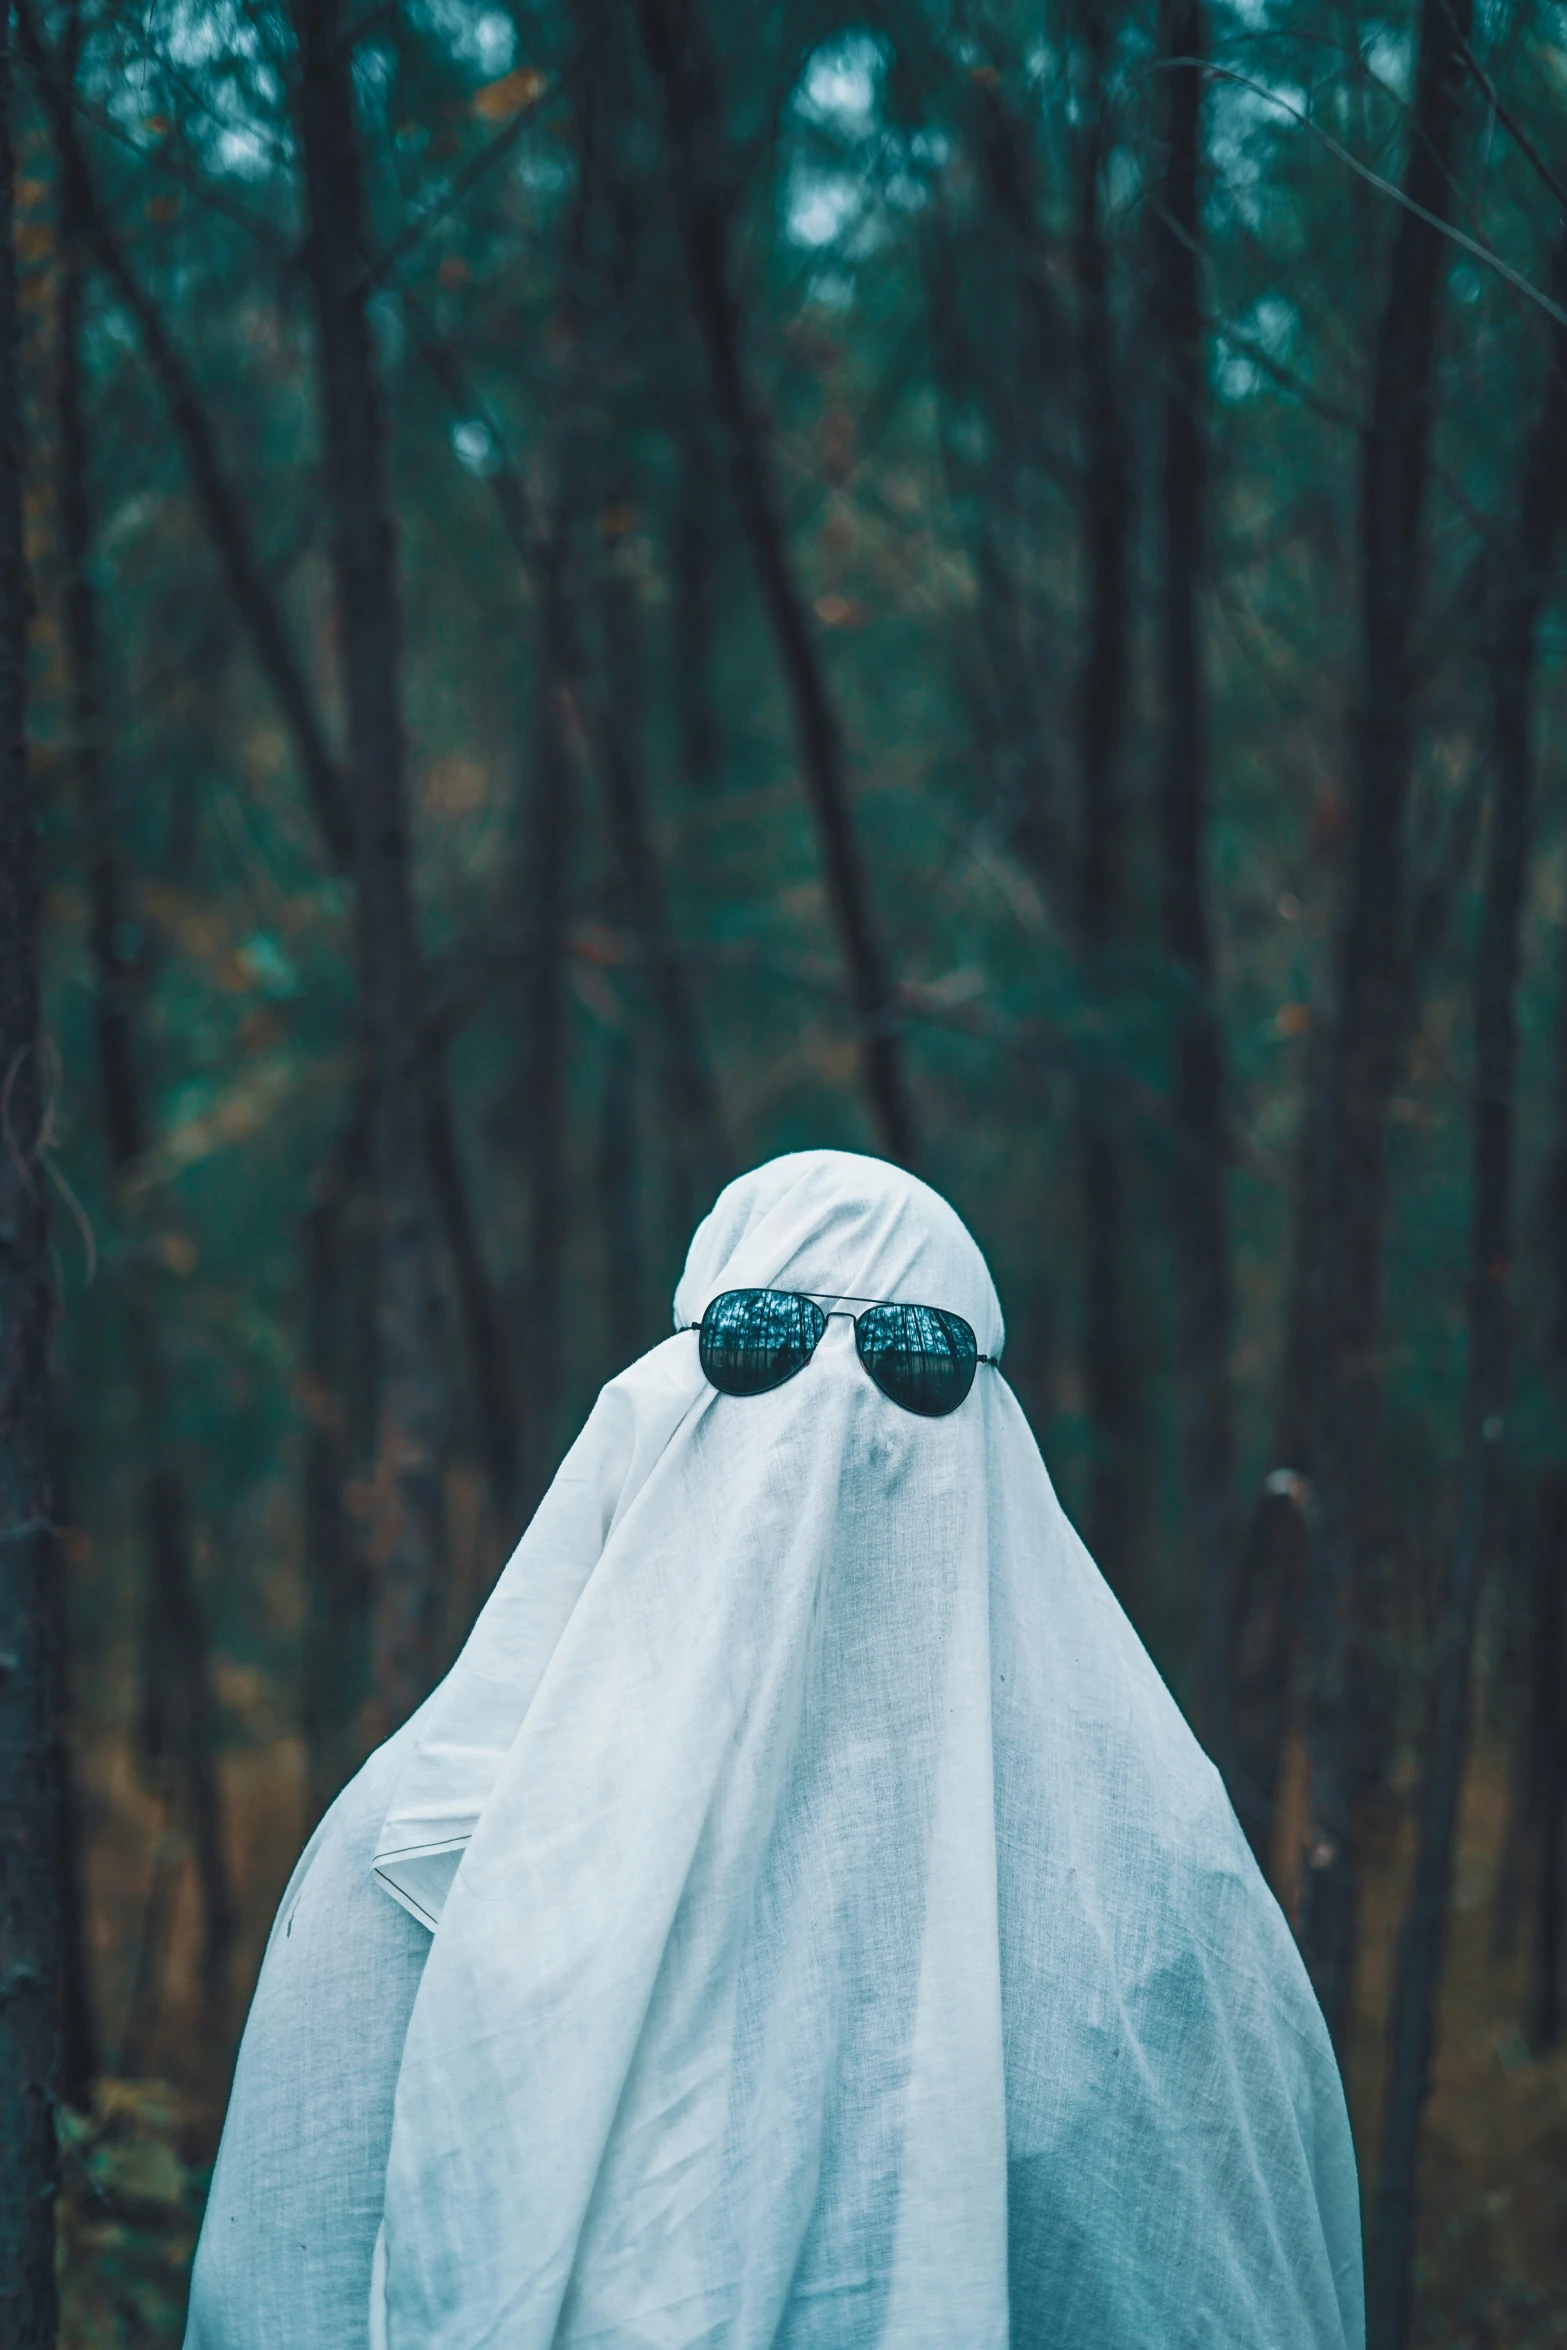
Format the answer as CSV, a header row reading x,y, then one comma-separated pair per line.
x,y
838,1938
296,2197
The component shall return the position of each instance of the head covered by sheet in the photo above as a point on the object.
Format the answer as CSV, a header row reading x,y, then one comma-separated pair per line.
x,y
836,1936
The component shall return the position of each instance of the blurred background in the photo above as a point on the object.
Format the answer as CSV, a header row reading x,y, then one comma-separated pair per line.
x,y
626,585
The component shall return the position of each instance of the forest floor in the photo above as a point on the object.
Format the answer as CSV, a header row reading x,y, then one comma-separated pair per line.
x,y
1493,2235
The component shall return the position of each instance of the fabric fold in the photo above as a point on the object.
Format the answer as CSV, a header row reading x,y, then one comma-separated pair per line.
x,y
467,1727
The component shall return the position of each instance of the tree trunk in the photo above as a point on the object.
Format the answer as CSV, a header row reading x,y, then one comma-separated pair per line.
x,y
1548,1726
486,1348
1200,1219
407,1534
1274,1566
546,900
29,1843
1548,1629
144,2006
80,2061
1008,705
1117,1515
618,1196
1261,1642
1359,1060
178,1625
1009,162
695,1145
338,1245
1423,1938
175,1661
679,48
694,616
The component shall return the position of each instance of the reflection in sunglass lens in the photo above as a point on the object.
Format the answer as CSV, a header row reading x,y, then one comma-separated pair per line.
x,y
919,1356
754,1339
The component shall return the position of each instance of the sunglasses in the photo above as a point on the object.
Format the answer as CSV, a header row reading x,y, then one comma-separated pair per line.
x,y
921,1357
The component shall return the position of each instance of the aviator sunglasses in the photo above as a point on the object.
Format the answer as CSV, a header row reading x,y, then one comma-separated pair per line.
x,y
921,1357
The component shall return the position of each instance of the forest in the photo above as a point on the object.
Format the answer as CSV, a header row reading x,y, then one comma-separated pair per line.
x,y
593,590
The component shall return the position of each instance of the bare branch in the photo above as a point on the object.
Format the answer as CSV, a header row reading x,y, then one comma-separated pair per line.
x,y
1455,236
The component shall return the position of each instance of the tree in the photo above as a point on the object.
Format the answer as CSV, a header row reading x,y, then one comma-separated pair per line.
x,y
29,1840
177,1706
1199,1142
1365,1028
1117,1512
407,1541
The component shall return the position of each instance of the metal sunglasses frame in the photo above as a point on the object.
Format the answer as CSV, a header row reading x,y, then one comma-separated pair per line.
x,y
825,1298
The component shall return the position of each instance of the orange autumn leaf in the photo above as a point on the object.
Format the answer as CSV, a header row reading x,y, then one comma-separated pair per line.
x,y
499,100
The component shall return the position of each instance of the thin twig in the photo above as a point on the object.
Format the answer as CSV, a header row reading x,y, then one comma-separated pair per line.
x,y
199,184
1456,236
82,1220
189,175
12,1149
502,476
461,184
1285,377
1508,121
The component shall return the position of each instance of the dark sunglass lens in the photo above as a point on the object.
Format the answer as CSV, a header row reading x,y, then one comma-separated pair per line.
x,y
919,1356
755,1339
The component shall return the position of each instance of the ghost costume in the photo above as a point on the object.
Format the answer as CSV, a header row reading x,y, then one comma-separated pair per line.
x,y
801,1918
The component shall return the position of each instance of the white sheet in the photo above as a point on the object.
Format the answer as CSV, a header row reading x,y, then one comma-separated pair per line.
x,y
296,2198
838,1937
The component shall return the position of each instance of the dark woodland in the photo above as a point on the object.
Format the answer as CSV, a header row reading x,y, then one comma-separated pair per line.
x,y
591,592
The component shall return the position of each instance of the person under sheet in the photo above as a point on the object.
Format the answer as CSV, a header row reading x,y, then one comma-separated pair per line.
x,y
801,1917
